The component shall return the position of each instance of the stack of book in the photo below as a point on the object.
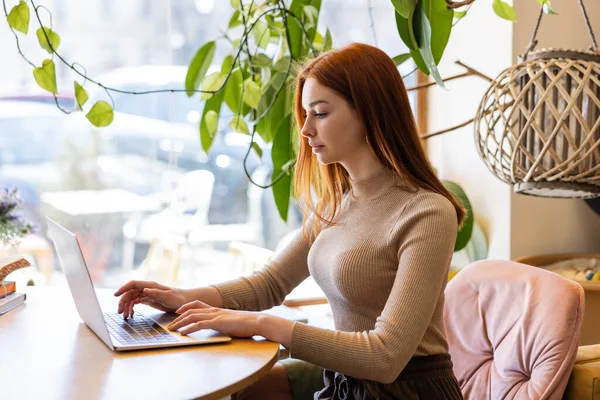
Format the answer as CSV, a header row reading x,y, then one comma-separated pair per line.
x,y
9,297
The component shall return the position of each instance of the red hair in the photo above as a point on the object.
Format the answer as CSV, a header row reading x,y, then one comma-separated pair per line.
x,y
369,81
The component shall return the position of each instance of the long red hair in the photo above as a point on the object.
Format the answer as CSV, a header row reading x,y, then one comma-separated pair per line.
x,y
369,81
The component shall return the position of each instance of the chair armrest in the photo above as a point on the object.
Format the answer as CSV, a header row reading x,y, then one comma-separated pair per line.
x,y
584,382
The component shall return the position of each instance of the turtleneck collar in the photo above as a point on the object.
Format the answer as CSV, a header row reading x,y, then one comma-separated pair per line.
x,y
374,185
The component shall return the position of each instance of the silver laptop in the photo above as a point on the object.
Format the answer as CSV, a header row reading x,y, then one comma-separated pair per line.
x,y
142,331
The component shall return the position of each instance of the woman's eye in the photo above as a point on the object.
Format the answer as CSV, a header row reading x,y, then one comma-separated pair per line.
x,y
318,115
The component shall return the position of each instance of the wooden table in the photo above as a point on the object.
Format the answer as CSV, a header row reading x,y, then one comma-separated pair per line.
x,y
48,352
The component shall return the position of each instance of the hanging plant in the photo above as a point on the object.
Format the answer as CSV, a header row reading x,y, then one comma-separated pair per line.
x,y
253,83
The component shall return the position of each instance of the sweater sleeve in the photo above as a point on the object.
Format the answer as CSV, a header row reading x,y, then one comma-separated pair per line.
x,y
426,231
269,286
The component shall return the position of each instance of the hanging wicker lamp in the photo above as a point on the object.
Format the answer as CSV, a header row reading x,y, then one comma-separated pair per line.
x,y
538,124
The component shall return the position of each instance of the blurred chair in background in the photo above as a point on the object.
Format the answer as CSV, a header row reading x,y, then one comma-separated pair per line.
x,y
187,210
163,259
248,232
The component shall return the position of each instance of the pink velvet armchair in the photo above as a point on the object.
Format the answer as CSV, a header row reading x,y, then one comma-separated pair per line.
x,y
513,330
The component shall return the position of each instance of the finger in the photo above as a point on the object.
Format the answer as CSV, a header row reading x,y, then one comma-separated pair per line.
x,y
195,327
131,309
192,311
128,309
126,298
139,285
192,305
190,319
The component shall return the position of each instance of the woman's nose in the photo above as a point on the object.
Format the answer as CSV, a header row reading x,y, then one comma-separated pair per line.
x,y
307,130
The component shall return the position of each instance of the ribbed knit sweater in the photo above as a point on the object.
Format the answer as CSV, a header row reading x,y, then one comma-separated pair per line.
x,y
383,269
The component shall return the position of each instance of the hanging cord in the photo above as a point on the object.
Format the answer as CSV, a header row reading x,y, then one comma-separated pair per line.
x,y
533,43
594,46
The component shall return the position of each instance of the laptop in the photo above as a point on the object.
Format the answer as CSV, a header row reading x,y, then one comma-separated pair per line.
x,y
142,331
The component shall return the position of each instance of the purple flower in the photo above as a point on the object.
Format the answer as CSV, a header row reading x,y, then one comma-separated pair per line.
x,y
12,224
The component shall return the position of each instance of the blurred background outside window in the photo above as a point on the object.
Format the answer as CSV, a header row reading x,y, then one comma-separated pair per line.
x,y
116,186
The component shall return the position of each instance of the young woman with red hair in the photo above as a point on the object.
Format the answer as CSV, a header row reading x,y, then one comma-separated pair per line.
x,y
378,236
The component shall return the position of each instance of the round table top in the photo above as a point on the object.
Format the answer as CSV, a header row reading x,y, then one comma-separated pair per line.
x,y
48,352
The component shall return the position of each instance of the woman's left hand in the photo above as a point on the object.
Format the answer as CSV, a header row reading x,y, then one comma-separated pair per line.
x,y
197,315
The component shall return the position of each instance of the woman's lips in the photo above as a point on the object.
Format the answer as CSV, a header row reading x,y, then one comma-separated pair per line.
x,y
317,149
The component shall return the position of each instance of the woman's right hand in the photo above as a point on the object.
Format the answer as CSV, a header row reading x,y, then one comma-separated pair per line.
x,y
152,294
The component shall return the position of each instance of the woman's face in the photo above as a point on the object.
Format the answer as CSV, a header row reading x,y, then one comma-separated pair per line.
x,y
332,126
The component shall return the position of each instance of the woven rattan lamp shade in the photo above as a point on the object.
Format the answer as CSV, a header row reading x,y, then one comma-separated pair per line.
x,y
538,125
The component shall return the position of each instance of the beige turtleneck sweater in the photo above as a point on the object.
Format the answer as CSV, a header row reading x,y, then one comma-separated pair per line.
x,y
383,268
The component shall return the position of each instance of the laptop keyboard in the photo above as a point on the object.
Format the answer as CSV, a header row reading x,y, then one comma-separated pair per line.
x,y
137,329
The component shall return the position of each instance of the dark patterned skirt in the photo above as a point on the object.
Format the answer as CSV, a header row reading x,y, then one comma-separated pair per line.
x,y
423,378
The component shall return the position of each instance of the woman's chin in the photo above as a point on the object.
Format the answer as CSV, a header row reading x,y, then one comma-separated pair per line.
x,y
323,160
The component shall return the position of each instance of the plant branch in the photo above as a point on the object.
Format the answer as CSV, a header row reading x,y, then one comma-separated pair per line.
x,y
452,128
16,37
106,88
470,72
457,4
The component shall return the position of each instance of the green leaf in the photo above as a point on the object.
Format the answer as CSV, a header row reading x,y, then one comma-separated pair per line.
x,y
277,80
251,93
45,76
262,34
213,104
235,3
238,124
404,7
257,149
459,14
233,90
281,154
294,29
53,36
423,34
312,14
405,30
466,229
399,59
213,82
314,7
18,18
81,95
327,43
282,65
267,127
235,19
101,114
318,42
504,10
198,67
211,118
440,20
227,64
547,6
261,60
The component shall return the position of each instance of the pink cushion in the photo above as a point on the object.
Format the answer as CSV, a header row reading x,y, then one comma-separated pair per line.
x,y
513,330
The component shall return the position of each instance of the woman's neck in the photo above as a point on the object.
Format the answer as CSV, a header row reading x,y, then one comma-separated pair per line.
x,y
362,168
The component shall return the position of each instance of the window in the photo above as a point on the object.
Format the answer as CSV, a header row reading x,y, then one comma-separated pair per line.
x,y
148,149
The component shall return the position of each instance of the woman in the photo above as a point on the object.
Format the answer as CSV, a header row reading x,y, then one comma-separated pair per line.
x,y
378,241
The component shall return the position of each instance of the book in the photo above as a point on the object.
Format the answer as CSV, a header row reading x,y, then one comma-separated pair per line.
x,y
11,301
11,266
7,288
